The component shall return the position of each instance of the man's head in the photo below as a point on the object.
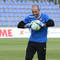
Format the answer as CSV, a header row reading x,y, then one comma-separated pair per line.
x,y
36,10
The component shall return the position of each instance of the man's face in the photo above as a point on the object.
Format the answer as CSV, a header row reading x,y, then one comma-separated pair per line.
x,y
35,11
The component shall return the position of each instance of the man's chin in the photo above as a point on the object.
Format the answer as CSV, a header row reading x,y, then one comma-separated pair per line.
x,y
36,16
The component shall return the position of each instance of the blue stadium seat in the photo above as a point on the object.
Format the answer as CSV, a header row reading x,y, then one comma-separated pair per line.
x,y
1,10
10,2
5,6
18,10
36,2
23,2
2,2
8,24
3,14
57,6
19,2
51,3
2,5
12,24
39,3
31,2
27,2
43,3
7,2
58,11
29,6
5,10
47,3
21,5
9,19
15,2
1,24
57,23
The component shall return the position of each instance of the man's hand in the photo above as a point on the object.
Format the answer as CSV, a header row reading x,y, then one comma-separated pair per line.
x,y
40,23
28,25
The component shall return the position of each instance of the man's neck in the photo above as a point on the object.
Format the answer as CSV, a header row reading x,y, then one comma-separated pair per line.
x,y
38,16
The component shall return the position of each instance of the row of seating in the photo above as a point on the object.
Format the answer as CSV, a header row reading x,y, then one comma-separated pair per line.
x,y
9,19
25,13
24,10
27,2
20,15
8,24
15,24
28,6
57,23
15,19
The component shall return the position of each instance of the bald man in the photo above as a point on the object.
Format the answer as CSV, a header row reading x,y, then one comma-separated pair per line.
x,y
38,39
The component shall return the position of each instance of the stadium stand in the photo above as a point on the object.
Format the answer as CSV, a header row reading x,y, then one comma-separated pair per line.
x,y
13,12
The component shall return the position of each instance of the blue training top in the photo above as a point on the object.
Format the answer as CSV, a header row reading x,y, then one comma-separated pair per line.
x,y
41,35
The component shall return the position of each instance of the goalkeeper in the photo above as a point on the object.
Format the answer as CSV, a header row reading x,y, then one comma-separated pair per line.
x,y
38,39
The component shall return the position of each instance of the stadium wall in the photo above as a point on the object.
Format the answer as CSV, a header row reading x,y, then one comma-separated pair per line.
x,y
10,32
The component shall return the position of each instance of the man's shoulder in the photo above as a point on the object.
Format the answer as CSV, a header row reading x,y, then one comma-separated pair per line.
x,y
31,16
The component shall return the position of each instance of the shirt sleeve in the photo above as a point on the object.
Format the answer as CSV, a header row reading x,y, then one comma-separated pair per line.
x,y
26,20
47,18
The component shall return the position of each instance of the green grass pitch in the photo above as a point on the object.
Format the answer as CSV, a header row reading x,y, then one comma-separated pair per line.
x,y
14,49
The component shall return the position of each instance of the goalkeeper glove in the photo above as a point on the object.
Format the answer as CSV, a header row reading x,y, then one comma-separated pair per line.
x,y
28,25
40,23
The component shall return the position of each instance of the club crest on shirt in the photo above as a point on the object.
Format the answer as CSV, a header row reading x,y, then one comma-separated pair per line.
x,y
40,19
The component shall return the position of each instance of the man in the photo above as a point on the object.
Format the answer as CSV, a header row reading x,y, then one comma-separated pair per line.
x,y
38,39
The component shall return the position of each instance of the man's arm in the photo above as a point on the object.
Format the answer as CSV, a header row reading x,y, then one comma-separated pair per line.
x,y
21,24
50,23
25,23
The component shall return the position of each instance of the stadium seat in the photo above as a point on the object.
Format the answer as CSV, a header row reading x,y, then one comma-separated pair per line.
x,y
31,2
15,2
47,3
19,3
2,5
3,14
13,23
57,23
27,2
51,3
39,3
1,10
23,2
5,6
10,2
7,2
8,24
2,2
43,3
36,2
